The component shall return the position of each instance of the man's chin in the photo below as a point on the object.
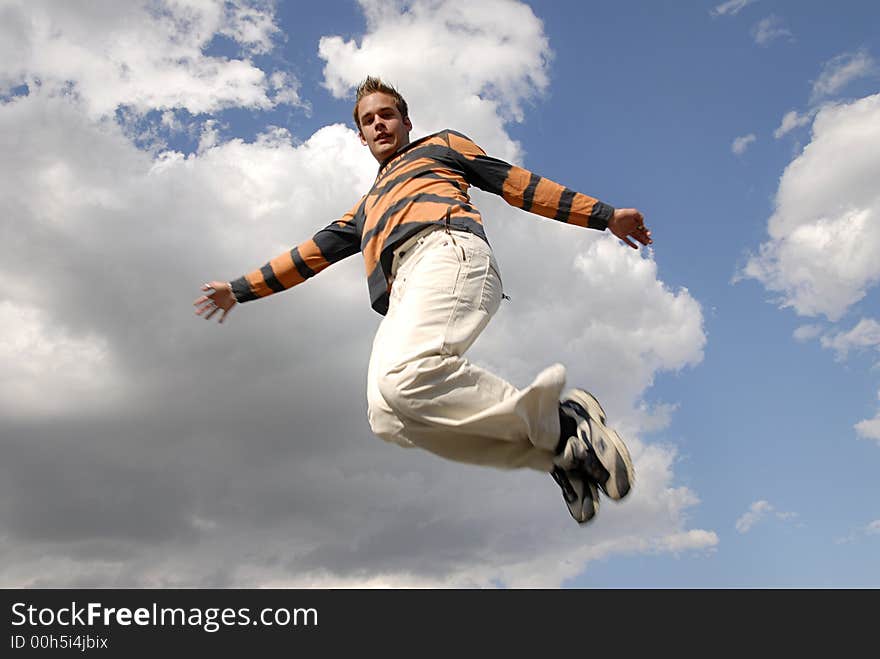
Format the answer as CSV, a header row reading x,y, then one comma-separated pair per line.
x,y
382,151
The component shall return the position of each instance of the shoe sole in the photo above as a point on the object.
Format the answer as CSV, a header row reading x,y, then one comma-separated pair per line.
x,y
589,504
621,478
592,508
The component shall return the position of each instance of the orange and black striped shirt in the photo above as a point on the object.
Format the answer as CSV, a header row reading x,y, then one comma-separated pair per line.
x,y
424,183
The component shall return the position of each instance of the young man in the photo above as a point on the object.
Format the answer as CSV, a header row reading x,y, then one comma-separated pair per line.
x,y
432,274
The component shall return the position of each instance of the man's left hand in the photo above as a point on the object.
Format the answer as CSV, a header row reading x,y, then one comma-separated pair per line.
x,y
629,223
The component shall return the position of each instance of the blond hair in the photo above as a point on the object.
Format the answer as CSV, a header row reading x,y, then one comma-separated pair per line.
x,y
372,85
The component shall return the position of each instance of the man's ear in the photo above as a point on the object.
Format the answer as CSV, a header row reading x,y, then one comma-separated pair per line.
x,y
407,123
363,139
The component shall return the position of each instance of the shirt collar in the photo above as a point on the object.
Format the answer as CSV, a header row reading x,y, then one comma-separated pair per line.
x,y
384,164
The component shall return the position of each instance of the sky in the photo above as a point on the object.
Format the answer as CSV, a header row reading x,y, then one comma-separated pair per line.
x,y
152,146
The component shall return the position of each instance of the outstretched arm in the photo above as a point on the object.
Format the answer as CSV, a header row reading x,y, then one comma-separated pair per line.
x,y
330,245
536,194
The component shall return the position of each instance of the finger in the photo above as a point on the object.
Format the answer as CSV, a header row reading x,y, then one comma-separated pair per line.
x,y
200,300
213,311
207,306
641,230
225,313
630,243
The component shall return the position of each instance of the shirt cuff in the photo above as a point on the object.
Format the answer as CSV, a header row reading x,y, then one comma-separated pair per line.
x,y
242,290
601,216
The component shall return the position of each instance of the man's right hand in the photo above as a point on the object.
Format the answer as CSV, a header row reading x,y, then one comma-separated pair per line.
x,y
219,298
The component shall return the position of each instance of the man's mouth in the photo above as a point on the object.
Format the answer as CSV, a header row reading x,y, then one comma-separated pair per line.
x,y
383,138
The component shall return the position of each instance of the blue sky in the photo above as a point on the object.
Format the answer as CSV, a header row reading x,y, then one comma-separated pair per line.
x,y
753,470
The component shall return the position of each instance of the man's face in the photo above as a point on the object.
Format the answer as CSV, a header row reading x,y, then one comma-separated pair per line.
x,y
383,129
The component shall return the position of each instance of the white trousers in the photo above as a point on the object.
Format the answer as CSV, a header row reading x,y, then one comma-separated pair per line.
x,y
421,391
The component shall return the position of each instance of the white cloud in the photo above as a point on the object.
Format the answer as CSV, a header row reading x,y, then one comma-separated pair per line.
x,y
740,144
821,257
732,7
769,29
841,70
872,528
694,539
665,328
171,122
824,233
485,60
758,511
792,120
208,137
248,22
866,334
869,428
217,437
807,332
633,328
143,56
286,89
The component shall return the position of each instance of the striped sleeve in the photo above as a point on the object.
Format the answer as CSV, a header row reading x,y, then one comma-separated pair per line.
x,y
331,244
524,189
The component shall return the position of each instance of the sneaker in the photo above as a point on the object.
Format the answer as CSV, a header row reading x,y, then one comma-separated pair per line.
x,y
579,492
608,462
